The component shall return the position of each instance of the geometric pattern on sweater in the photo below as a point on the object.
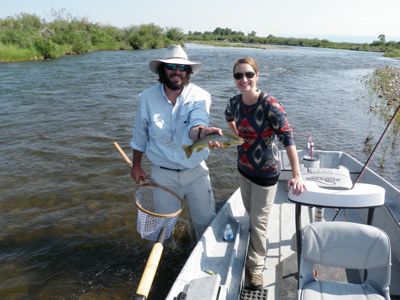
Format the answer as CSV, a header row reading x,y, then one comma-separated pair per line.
x,y
259,124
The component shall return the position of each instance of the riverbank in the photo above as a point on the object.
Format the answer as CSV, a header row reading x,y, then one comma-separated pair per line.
x,y
26,37
385,83
224,43
15,54
239,45
384,86
10,54
392,54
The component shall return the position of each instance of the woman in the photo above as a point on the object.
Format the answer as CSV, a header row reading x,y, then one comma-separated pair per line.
x,y
259,118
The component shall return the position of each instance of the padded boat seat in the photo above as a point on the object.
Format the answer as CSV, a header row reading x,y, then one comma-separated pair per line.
x,y
328,290
344,245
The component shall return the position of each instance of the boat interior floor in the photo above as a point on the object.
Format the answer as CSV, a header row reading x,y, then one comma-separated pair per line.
x,y
280,271
254,294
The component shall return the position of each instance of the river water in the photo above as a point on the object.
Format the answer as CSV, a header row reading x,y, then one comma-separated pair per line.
x,y
67,214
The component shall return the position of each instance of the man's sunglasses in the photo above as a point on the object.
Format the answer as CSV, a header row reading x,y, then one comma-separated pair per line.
x,y
174,67
248,75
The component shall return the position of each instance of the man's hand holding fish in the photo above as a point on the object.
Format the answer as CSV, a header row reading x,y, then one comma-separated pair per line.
x,y
211,137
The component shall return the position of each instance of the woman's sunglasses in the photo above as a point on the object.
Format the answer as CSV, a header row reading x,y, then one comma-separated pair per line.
x,y
248,75
174,67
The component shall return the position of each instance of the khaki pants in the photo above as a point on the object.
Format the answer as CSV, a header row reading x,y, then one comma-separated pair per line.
x,y
195,187
257,200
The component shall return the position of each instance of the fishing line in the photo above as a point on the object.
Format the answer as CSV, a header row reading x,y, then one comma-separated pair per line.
x,y
372,153
376,146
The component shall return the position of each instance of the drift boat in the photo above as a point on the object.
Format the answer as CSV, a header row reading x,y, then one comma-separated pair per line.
x,y
215,268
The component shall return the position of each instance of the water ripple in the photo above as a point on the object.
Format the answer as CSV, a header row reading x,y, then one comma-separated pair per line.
x,y
67,209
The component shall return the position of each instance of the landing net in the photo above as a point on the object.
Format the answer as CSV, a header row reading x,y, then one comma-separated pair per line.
x,y
158,207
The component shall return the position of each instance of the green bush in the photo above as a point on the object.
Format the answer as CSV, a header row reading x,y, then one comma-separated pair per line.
x,y
175,34
153,36
47,48
68,35
136,41
81,42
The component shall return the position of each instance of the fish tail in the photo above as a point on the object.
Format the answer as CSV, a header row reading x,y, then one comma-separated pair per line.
x,y
188,151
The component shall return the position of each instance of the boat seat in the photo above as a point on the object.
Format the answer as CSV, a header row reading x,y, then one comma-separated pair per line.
x,y
344,245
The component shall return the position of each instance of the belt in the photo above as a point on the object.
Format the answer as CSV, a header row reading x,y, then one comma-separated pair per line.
x,y
176,170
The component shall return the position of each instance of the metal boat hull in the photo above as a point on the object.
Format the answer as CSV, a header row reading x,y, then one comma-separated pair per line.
x,y
211,256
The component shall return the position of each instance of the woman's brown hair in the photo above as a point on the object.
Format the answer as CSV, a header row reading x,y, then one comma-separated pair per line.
x,y
247,60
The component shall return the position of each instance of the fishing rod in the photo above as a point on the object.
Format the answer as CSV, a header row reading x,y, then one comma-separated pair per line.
x,y
376,146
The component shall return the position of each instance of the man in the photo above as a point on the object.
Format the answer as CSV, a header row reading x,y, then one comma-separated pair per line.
x,y
171,114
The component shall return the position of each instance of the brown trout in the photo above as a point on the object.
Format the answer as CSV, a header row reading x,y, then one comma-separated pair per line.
x,y
225,140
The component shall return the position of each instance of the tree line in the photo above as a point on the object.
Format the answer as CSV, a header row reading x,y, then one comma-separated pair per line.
x,y
226,34
29,37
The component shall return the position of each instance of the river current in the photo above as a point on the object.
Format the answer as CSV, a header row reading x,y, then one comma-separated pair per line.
x,y
67,212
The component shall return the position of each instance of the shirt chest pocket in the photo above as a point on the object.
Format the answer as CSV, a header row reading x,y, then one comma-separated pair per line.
x,y
158,127
185,113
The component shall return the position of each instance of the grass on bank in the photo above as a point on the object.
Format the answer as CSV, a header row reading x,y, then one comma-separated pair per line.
x,y
392,54
383,100
15,54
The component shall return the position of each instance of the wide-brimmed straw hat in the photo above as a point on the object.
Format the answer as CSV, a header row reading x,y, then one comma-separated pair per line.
x,y
175,55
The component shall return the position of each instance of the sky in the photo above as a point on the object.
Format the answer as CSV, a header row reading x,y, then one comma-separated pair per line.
x,y
336,20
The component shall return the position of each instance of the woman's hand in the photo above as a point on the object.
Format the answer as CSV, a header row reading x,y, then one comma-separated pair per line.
x,y
297,185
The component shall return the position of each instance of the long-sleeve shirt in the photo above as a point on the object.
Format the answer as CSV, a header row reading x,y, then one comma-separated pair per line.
x,y
259,124
161,129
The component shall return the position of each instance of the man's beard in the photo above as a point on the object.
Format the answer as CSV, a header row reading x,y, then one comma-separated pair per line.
x,y
176,86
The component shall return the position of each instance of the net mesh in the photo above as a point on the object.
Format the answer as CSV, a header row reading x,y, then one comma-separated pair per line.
x,y
158,208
